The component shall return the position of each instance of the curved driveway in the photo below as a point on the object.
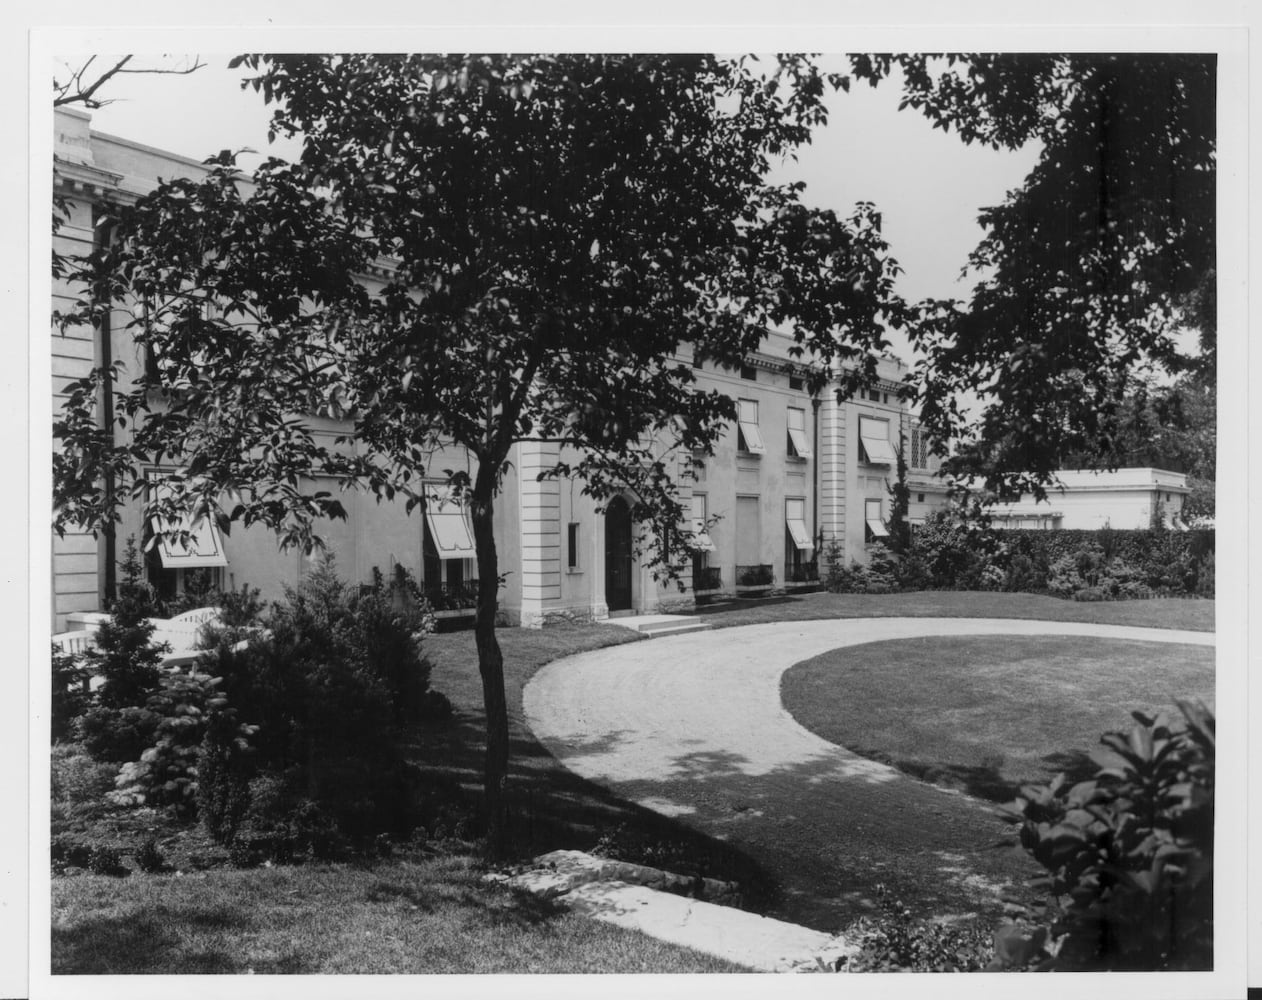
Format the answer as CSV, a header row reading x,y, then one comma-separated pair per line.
x,y
692,726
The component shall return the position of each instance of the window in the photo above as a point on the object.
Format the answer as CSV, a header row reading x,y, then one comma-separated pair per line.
x,y
795,524
796,384
874,526
919,449
920,498
701,541
798,446
748,437
748,373
874,442
172,568
448,524
571,547
204,548
874,395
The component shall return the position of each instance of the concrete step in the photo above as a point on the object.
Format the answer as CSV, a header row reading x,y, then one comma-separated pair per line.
x,y
656,630
660,624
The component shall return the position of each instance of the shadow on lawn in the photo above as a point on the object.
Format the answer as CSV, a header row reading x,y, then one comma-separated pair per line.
x,y
151,943
551,808
985,781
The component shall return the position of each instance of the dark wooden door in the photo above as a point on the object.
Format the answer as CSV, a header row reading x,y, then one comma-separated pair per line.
x,y
618,555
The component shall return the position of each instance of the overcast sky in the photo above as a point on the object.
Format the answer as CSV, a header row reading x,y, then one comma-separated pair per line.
x,y
928,184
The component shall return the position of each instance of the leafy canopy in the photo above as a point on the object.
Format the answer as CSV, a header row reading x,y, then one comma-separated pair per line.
x,y
1089,271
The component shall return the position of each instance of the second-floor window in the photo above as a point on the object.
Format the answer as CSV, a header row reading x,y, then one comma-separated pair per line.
x,y
748,436
874,442
798,445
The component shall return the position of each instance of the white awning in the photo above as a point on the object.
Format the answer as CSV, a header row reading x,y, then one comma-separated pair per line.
x,y
700,539
801,538
747,418
204,549
877,527
795,521
798,437
449,525
797,432
874,435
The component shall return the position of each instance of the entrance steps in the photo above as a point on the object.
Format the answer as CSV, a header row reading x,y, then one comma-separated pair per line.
x,y
658,625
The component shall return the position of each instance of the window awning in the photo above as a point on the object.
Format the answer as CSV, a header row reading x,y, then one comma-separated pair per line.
x,y
801,538
874,435
747,418
798,437
795,521
877,527
449,525
204,549
797,432
753,438
701,541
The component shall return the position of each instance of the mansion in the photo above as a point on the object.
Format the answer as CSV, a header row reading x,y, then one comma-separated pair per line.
x,y
793,472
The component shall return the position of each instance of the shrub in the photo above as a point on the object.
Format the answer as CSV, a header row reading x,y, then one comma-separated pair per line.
x,y
69,852
240,608
106,861
78,782
1128,855
1023,575
326,690
959,550
166,773
124,656
224,767
200,591
756,576
894,942
148,856
117,734
1166,562
69,699
1205,577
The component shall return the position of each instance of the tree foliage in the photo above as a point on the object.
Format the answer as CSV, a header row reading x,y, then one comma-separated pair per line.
x,y
544,232
1089,270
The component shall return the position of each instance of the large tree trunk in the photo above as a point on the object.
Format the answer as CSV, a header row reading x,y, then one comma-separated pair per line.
x,y
491,667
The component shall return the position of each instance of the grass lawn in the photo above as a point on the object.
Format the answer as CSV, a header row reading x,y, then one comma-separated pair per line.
x,y
396,917
1175,612
988,713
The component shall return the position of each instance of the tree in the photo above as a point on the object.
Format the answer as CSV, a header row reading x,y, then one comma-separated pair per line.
x,y
548,231
900,501
1089,270
79,83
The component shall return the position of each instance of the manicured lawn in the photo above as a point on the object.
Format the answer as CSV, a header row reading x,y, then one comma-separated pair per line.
x,y
395,917
987,713
1175,612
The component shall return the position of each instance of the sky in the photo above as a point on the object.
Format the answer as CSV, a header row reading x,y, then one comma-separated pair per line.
x,y
928,185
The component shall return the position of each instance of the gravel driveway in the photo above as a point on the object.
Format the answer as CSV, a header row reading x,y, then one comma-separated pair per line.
x,y
692,727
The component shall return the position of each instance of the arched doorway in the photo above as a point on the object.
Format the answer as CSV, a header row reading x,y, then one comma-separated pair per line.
x,y
618,555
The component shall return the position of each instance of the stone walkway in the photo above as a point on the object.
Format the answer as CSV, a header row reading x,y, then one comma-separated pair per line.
x,y
692,727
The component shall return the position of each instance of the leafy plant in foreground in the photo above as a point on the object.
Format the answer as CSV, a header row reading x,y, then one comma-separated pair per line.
x,y
1129,855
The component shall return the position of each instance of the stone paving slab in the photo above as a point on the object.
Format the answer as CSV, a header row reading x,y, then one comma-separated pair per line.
x,y
759,943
